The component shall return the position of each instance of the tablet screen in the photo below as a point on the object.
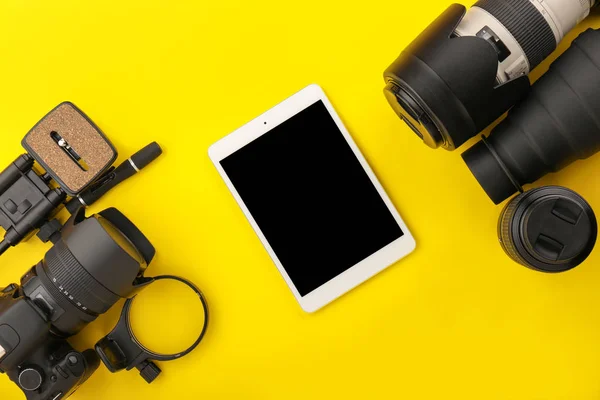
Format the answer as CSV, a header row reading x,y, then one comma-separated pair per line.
x,y
311,198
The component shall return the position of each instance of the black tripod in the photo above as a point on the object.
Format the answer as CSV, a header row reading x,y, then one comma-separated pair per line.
x,y
29,199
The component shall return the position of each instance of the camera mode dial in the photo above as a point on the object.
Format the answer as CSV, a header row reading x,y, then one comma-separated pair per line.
x,y
30,379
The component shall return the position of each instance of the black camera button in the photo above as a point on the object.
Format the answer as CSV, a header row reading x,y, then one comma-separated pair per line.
x,y
11,206
24,206
30,379
62,372
72,360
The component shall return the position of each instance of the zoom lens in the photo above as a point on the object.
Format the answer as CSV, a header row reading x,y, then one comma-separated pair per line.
x,y
97,261
557,124
549,229
522,32
468,68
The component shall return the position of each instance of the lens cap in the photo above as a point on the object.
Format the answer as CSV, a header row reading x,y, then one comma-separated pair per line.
x,y
549,229
413,115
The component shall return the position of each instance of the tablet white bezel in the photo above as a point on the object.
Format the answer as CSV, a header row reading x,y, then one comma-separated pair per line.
x,y
358,273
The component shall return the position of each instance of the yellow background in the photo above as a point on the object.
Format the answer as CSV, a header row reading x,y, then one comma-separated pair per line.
x,y
455,320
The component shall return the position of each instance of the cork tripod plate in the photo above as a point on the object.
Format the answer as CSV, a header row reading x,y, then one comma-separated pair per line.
x,y
70,147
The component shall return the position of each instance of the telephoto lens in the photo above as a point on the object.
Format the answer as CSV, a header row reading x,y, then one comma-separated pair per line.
x,y
548,229
555,125
97,261
468,68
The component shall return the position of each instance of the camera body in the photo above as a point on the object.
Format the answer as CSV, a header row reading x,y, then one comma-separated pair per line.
x,y
44,365
94,263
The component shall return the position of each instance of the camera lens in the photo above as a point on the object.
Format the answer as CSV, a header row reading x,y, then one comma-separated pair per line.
x,y
123,241
557,124
94,264
549,229
413,115
468,68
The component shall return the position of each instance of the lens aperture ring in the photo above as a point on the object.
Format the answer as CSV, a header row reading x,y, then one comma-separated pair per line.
x,y
528,26
75,283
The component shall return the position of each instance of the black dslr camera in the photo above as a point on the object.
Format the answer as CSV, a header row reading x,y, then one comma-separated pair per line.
x,y
96,262
68,163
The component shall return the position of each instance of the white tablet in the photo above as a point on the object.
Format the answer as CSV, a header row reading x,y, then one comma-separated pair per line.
x,y
312,198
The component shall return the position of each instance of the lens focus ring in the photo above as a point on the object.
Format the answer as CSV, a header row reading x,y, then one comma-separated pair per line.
x,y
77,284
528,26
504,229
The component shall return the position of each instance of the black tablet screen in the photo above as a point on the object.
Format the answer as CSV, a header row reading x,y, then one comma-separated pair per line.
x,y
311,198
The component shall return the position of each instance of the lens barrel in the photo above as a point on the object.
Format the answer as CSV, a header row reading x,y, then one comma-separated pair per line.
x,y
83,287
444,87
97,261
549,229
555,125
526,24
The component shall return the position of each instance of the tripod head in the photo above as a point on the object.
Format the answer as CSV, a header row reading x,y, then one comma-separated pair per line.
x,y
69,162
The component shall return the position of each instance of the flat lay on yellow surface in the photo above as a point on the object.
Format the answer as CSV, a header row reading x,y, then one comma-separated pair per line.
x,y
456,319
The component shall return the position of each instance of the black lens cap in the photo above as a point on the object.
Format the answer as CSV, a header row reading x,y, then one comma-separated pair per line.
x,y
414,115
549,229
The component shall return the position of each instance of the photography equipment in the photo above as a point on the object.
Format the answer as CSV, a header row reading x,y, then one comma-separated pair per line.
x,y
468,68
115,176
76,160
555,125
120,349
95,262
70,148
549,229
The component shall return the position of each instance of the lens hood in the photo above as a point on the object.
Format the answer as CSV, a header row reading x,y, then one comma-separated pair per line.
x,y
444,87
555,125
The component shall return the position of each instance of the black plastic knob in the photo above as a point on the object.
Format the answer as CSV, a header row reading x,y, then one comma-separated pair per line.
x,y
549,229
30,379
142,158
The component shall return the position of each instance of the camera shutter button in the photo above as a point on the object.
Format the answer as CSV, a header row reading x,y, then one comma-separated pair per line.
x,y
30,379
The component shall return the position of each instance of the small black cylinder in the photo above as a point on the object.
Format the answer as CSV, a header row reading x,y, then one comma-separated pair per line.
x,y
548,229
14,171
142,158
555,125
